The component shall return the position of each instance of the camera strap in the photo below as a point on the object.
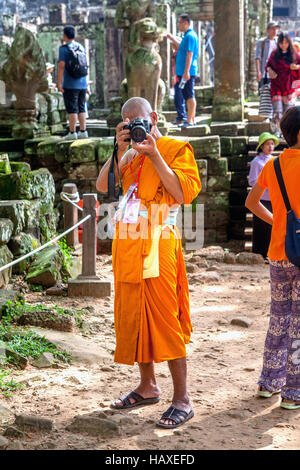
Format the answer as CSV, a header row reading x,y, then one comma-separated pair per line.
x,y
139,174
111,174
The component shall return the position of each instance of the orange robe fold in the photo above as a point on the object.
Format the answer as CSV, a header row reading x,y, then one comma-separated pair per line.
x,y
152,317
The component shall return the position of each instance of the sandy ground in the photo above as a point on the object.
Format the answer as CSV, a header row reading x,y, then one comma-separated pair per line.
x,y
224,363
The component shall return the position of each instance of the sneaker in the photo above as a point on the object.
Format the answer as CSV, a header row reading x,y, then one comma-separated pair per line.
x,y
71,136
83,135
186,124
178,122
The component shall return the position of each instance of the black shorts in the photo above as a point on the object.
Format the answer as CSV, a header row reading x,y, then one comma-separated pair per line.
x,y
74,100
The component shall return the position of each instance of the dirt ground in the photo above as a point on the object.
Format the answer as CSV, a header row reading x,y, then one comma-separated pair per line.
x,y
224,363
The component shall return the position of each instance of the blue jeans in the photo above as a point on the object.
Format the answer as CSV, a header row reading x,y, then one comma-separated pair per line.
x,y
181,95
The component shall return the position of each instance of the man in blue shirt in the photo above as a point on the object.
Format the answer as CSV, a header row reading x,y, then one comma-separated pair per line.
x,y
73,89
186,70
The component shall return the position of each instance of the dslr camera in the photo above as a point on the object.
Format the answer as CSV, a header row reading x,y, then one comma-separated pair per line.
x,y
138,129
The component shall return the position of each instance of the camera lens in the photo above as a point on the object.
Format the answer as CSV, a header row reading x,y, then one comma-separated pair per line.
x,y
138,133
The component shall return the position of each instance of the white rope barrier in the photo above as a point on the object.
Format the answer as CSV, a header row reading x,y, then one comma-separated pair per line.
x,y
74,198
46,244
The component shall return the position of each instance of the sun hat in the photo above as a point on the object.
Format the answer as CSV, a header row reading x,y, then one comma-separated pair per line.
x,y
267,136
49,65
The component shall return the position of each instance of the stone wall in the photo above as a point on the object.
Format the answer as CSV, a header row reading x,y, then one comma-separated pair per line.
x,y
27,214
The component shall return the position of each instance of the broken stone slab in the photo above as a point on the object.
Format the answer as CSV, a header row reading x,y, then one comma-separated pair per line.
x,y
249,258
3,443
20,245
16,445
46,269
13,210
13,431
241,321
191,267
44,361
95,424
48,319
229,258
5,295
6,230
5,258
88,170
81,349
5,414
34,422
13,356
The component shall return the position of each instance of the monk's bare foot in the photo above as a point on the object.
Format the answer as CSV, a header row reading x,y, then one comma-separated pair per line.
x,y
144,392
184,405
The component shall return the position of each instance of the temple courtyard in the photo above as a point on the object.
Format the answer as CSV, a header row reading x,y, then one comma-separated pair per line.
x,y
70,403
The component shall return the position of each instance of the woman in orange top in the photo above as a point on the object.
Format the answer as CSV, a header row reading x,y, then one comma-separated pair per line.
x,y
281,371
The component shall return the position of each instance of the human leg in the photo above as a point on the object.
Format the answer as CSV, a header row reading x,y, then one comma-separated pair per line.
x,y
180,400
273,375
291,390
70,99
277,114
179,103
261,234
147,387
82,110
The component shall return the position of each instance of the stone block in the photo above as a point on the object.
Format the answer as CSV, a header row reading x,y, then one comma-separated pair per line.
x,y
226,146
196,131
202,168
205,147
239,145
37,184
32,217
218,167
19,166
216,218
62,151
224,128
214,201
46,268
31,146
81,287
47,146
239,180
53,117
218,183
13,210
82,171
239,162
20,245
105,149
83,150
6,230
5,257
257,128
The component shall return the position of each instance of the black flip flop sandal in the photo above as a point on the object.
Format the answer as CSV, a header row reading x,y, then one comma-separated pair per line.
x,y
175,415
139,401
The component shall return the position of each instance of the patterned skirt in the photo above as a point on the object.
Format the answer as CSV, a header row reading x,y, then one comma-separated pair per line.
x,y
281,362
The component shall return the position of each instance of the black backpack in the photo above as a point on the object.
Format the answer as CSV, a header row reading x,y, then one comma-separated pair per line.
x,y
76,63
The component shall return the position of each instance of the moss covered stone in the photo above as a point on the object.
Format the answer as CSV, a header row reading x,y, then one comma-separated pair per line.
x,y
218,167
46,269
38,184
62,151
206,147
31,145
47,146
6,230
19,166
105,149
20,245
219,183
13,210
198,131
83,150
5,258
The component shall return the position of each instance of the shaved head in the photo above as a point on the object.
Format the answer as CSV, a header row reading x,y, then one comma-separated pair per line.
x,y
136,107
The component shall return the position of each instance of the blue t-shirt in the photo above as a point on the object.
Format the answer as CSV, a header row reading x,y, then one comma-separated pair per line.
x,y
68,80
189,43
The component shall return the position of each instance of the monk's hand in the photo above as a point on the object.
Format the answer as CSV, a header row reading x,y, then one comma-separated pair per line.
x,y
147,147
123,136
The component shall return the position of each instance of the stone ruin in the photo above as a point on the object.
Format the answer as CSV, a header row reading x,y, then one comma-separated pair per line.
x,y
223,140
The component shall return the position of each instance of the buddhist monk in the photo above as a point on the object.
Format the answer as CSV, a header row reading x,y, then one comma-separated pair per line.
x,y
152,317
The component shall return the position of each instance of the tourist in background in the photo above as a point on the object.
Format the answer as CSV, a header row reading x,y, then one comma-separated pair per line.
x,y
281,355
264,48
186,71
283,67
261,234
73,83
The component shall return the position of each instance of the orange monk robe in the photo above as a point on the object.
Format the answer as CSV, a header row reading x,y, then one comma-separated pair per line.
x,y
152,317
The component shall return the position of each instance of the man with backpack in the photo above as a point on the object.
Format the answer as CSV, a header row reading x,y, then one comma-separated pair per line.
x,y
72,82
